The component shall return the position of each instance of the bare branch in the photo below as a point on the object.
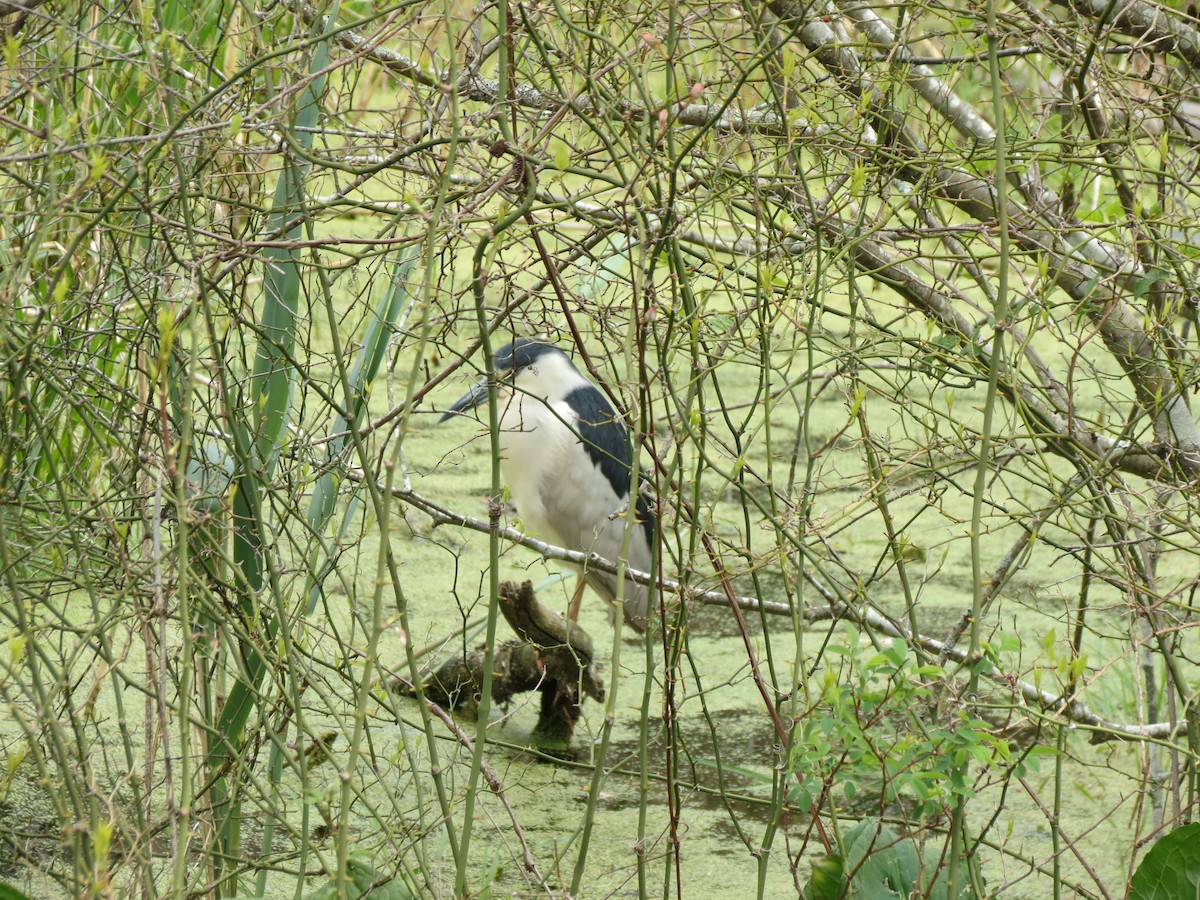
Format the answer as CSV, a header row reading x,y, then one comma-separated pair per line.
x,y
1070,709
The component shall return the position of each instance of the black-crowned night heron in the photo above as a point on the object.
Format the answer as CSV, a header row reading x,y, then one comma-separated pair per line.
x,y
565,456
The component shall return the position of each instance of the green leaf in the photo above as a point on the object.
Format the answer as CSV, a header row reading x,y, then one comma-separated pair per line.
x,y
882,868
273,378
897,652
562,155
825,882
1171,870
887,866
8,892
1147,281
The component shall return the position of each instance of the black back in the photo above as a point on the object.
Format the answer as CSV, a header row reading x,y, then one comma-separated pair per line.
x,y
607,445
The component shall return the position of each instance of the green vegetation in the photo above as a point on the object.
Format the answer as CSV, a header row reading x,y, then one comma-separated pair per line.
x,y
899,303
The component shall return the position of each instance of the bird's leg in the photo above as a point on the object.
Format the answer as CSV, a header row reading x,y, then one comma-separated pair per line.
x,y
573,610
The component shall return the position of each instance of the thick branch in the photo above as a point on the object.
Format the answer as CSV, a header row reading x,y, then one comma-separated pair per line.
x,y
968,122
1037,232
1070,709
877,261
1155,26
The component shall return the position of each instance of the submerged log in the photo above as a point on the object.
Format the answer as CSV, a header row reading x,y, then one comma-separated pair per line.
x,y
552,655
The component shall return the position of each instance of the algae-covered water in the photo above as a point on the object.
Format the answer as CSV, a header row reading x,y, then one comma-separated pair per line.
x,y
687,800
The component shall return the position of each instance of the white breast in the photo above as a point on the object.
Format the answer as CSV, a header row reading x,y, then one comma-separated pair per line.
x,y
536,454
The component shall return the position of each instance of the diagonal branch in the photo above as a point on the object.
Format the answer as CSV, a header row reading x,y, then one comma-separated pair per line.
x,y
1039,232
1068,708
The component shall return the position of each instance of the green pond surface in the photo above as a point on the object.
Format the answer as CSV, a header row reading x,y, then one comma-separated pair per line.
x,y
720,819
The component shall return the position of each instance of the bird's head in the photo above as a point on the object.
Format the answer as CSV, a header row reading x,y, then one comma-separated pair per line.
x,y
537,367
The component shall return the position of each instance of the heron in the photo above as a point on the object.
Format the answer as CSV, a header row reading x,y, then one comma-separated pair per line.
x,y
566,459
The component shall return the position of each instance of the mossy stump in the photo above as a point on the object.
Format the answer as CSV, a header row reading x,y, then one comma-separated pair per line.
x,y
551,655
